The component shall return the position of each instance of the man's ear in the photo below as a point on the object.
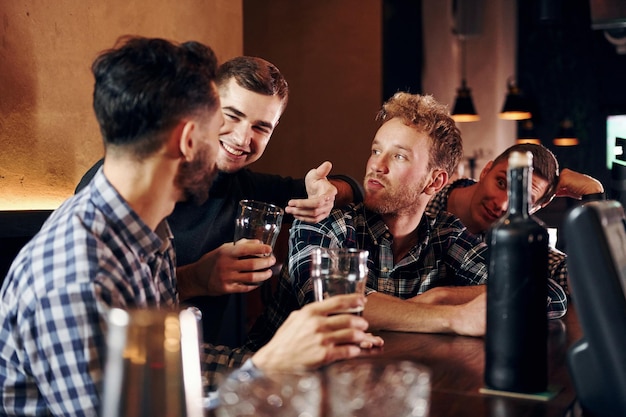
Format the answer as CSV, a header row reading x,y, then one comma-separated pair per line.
x,y
485,170
183,137
438,179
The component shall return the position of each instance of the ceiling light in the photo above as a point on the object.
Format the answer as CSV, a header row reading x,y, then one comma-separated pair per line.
x,y
516,106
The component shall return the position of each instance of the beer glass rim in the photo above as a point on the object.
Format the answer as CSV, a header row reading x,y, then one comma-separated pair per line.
x,y
352,251
257,205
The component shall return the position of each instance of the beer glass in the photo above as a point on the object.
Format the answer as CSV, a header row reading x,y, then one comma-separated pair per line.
x,y
339,271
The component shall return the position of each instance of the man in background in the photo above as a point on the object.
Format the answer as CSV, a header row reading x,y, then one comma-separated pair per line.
x,y
480,203
110,244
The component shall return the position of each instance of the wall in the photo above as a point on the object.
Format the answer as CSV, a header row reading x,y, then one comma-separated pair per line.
x,y
490,60
330,54
329,50
48,133
581,77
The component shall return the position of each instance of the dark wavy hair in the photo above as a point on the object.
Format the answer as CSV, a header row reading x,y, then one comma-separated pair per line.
x,y
145,86
254,74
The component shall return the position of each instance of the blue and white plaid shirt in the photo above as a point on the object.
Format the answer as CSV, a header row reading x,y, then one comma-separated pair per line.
x,y
94,252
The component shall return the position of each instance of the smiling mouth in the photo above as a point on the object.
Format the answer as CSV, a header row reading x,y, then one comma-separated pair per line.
x,y
491,214
231,150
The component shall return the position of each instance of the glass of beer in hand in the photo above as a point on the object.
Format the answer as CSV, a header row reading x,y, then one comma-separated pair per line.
x,y
339,271
258,220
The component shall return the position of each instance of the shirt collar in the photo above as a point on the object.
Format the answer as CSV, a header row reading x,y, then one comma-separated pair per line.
x,y
121,216
378,230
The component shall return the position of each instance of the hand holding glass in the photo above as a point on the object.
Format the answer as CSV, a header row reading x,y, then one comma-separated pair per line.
x,y
339,271
258,220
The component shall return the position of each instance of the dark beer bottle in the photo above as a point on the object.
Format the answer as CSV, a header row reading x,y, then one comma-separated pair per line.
x,y
516,334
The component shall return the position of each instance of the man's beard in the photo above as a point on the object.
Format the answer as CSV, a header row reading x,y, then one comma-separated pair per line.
x,y
195,177
395,199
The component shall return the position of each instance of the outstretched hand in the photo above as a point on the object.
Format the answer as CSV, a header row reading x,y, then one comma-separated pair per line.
x,y
321,196
312,336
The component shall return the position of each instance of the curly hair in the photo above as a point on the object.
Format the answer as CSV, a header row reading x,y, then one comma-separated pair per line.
x,y
425,114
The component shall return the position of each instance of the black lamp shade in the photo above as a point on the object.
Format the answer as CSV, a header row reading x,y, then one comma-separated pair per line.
x,y
566,135
464,110
527,133
516,106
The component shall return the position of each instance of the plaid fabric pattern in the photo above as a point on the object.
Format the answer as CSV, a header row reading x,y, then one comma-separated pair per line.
x,y
219,361
558,288
439,201
446,254
92,254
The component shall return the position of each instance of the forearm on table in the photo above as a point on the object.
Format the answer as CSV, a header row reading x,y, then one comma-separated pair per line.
x,y
385,312
450,295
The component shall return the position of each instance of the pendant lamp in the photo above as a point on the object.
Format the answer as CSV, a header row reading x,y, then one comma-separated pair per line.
x,y
566,135
527,133
516,106
464,110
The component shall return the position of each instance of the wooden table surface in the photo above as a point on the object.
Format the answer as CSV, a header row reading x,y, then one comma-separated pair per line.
x,y
456,364
457,368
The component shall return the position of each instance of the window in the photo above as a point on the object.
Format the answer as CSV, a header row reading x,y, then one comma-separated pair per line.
x,y
615,128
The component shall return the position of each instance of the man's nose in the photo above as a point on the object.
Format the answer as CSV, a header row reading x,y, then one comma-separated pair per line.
x,y
378,164
242,134
502,202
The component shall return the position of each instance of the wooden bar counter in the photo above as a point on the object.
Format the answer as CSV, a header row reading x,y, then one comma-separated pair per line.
x,y
457,368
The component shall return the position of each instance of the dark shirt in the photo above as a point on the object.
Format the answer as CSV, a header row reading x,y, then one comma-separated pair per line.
x,y
198,229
